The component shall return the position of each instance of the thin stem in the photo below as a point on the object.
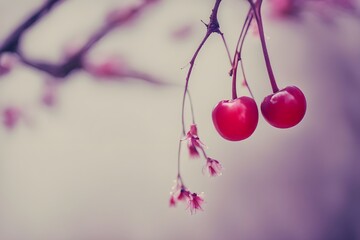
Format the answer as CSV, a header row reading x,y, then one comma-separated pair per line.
x,y
257,12
212,27
179,156
245,80
249,19
237,56
191,107
203,151
247,23
226,46
192,61
234,73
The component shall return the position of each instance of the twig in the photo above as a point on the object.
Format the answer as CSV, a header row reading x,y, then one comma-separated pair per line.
x,y
11,44
75,62
212,27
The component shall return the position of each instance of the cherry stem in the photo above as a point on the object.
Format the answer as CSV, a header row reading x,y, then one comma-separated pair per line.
x,y
212,26
226,46
237,56
236,61
256,7
192,61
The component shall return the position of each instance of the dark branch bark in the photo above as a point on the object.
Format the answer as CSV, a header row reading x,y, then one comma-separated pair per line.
x,y
11,43
75,62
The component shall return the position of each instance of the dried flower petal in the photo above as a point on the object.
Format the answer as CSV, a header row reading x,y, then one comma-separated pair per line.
x,y
11,116
184,195
193,142
107,67
172,201
195,203
214,167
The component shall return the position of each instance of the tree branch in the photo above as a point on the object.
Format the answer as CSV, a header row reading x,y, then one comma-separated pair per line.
x,y
11,43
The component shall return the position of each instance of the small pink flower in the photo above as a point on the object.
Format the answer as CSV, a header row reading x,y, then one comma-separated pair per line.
x,y
49,95
282,8
193,130
109,66
184,194
193,142
214,167
121,15
11,116
194,153
7,62
195,203
172,201
182,32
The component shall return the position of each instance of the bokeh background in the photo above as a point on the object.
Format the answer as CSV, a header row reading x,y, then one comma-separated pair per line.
x,y
99,165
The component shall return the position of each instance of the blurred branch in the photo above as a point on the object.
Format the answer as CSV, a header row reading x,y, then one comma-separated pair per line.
x,y
11,43
74,62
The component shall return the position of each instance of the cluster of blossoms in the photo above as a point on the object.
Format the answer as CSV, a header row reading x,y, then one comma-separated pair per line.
x,y
180,193
194,144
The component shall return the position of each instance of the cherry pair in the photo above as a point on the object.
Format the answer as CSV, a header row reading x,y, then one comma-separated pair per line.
x,y
237,119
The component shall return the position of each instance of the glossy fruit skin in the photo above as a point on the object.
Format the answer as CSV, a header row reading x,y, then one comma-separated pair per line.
x,y
236,119
285,108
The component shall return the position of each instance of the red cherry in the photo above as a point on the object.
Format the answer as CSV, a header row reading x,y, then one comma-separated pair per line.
x,y
285,108
236,119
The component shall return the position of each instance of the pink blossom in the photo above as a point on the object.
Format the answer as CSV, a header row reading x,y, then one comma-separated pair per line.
x,y
11,116
179,193
182,32
7,62
121,15
214,167
281,8
184,195
193,130
49,95
109,66
172,201
193,142
195,203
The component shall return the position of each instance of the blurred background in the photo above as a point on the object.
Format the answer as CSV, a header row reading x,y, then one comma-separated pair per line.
x,y
99,163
